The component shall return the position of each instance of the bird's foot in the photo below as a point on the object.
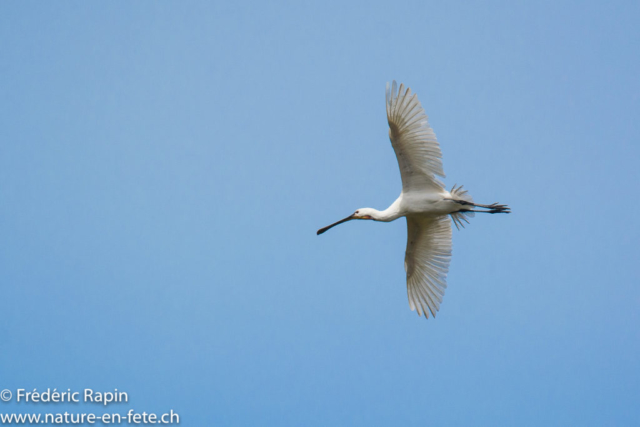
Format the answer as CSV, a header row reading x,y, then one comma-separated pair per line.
x,y
492,208
497,208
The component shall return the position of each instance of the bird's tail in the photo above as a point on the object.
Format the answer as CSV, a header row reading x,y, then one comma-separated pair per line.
x,y
458,194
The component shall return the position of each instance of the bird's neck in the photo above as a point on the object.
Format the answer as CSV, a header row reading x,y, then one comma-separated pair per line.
x,y
387,215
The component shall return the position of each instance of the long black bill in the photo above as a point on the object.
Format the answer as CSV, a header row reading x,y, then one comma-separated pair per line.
x,y
322,230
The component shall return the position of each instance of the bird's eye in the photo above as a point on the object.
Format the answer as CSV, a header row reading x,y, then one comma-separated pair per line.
x,y
357,212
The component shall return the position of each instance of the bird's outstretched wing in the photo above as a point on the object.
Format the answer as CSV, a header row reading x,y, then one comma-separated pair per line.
x,y
413,140
427,262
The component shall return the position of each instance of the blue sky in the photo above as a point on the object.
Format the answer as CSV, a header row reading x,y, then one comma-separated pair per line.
x,y
164,167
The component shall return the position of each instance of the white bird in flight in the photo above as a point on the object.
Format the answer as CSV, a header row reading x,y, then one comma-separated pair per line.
x,y
423,201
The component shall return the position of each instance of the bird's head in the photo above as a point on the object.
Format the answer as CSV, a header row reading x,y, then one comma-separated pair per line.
x,y
362,213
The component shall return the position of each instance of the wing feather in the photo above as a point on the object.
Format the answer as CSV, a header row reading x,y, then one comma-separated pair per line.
x,y
413,140
427,262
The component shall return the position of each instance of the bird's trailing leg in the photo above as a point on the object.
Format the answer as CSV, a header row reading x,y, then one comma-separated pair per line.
x,y
492,208
459,216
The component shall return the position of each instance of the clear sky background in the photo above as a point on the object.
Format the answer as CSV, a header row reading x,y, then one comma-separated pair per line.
x,y
164,167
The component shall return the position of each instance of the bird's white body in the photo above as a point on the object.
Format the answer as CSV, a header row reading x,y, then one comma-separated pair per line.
x,y
425,204
423,201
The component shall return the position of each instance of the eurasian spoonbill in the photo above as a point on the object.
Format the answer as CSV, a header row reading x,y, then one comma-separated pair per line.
x,y
423,201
